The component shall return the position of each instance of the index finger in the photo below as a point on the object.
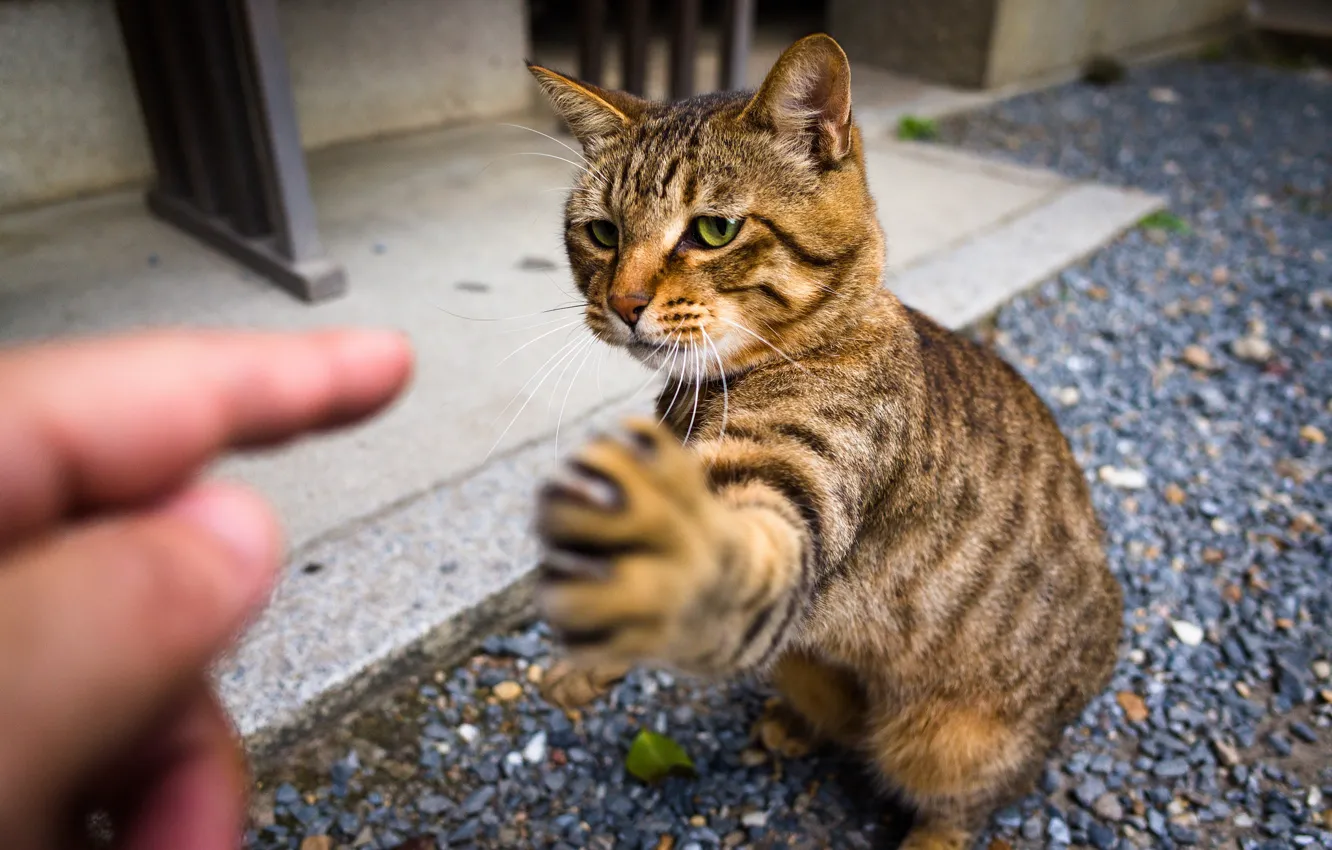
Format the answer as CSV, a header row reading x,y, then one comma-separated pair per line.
x,y
120,421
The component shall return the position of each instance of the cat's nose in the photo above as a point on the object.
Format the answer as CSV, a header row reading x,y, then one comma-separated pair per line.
x,y
630,305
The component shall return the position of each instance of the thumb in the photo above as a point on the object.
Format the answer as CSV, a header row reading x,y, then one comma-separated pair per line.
x,y
104,627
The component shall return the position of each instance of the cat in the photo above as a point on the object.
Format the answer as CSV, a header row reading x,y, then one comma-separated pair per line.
x,y
875,512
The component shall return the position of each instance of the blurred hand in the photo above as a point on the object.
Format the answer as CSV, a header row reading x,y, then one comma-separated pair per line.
x,y
122,578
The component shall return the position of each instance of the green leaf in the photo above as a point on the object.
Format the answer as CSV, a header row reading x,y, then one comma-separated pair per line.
x,y
1165,220
910,128
653,757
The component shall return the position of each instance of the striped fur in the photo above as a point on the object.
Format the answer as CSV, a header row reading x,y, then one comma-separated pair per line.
x,y
874,510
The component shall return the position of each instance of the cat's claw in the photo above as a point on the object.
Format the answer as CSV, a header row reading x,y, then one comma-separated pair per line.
x,y
629,531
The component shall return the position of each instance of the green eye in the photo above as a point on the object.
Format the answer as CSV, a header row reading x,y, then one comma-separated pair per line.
x,y
604,233
713,231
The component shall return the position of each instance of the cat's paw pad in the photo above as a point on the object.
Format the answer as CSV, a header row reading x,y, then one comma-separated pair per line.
x,y
782,732
630,541
570,685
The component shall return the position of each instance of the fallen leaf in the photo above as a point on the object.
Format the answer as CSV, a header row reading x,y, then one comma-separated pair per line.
x,y
653,757
1174,494
1134,708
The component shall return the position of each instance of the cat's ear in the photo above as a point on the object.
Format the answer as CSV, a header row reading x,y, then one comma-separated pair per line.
x,y
591,113
807,96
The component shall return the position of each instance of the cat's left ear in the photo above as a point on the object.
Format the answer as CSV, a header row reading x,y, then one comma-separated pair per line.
x,y
807,95
591,112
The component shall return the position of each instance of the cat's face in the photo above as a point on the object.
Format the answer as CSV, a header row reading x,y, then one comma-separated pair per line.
x,y
702,233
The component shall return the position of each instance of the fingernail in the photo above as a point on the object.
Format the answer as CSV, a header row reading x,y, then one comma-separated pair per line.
x,y
241,521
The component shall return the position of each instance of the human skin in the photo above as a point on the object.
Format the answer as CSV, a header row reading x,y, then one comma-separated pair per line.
x,y
123,575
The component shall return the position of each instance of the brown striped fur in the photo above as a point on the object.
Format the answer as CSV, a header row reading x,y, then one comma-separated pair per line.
x,y
874,510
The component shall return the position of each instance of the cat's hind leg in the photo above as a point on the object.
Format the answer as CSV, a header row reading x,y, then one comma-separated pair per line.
x,y
954,762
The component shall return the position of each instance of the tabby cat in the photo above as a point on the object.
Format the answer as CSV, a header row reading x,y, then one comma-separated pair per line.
x,y
872,510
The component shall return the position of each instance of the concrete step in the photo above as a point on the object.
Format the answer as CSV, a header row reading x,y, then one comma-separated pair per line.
x,y
410,534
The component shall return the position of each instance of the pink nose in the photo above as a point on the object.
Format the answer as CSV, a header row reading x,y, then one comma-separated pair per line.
x,y
629,306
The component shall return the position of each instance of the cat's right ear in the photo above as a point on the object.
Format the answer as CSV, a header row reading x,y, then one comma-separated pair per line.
x,y
806,97
591,113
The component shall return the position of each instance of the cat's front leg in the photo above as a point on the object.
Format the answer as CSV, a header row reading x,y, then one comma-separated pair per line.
x,y
644,562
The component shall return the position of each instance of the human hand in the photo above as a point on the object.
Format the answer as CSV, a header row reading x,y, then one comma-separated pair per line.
x,y
122,577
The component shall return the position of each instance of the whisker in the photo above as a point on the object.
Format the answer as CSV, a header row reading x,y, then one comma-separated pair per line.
x,y
679,384
559,420
579,166
509,318
547,136
539,371
726,403
784,355
537,338
698,391
571,350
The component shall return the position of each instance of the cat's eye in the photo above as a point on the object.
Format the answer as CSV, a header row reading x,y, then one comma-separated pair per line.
x,y
713,231
604,233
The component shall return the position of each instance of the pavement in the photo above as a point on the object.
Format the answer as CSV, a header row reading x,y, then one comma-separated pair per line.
x,y
409,535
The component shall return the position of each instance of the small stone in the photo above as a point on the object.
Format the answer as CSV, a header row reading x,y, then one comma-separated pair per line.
x,y
1122,478
1174,494
1322,669
468,733
1089,791
999,844
1134,708
1183,835
1058,831
1255,349
1225,753
1313,434
1280,744
1171,768
1163,94
507,691
753,757
1068,396
1197,357
535,751
1108,807
287,795
755,820
1101,837
317,842
535,674
1189,634
1303,732
478,799
698,821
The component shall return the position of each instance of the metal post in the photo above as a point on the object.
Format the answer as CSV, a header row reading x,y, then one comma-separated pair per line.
x,y
736,32
684,41
591,39
216,97
634,46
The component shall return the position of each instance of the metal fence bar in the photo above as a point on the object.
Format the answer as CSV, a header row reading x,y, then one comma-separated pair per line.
x,y
634,46
684,47
592,38
737,30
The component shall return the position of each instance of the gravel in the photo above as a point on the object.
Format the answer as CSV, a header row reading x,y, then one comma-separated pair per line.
x,y
1192,363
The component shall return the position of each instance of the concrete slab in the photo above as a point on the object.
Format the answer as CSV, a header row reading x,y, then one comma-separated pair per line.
x,y
405,539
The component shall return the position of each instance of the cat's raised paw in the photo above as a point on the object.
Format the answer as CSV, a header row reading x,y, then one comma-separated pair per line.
x,y
632,542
